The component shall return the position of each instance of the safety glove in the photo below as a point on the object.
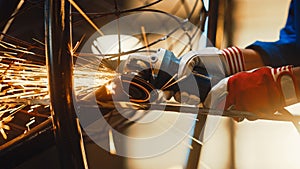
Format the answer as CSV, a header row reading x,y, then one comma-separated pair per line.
x,y
262,91
208,66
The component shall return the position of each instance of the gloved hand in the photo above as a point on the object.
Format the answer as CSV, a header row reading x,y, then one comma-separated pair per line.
x,y
262,91
207,66
196,76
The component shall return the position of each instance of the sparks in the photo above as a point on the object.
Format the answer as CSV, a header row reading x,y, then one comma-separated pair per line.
x,y
4,126
110,88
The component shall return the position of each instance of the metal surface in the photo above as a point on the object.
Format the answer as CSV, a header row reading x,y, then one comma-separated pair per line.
x,y
213,12
20,149
60,64
194,156
67,133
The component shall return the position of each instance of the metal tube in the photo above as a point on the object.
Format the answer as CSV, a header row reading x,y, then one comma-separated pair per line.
x,y
213,12
194,155
60,76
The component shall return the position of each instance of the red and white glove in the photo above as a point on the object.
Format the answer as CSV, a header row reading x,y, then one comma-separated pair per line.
x,y
261,91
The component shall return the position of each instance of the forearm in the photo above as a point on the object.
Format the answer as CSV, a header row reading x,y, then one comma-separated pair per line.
x,y
296,71
252,59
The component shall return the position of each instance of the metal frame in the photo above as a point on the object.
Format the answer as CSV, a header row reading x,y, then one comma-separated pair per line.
x,y
60,77
60,64
194,155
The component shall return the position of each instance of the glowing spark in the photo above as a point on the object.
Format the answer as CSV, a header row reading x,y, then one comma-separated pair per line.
x,y
17,50
11,20
183,77
86,17
34,106
38,41
112,148
34,95
194,139
187,145
148,49
32,120
110,88
12,45
2,131
162,88
4,127
185,133
77,44
201,75
25,83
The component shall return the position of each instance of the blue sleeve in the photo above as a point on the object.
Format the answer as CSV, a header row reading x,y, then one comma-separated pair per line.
x,y
285,51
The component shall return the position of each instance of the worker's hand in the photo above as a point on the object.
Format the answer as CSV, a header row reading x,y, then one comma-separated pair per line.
x,y
207,67
199,70
262,91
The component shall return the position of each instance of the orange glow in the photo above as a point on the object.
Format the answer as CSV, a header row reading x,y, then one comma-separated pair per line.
x,y
110,88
